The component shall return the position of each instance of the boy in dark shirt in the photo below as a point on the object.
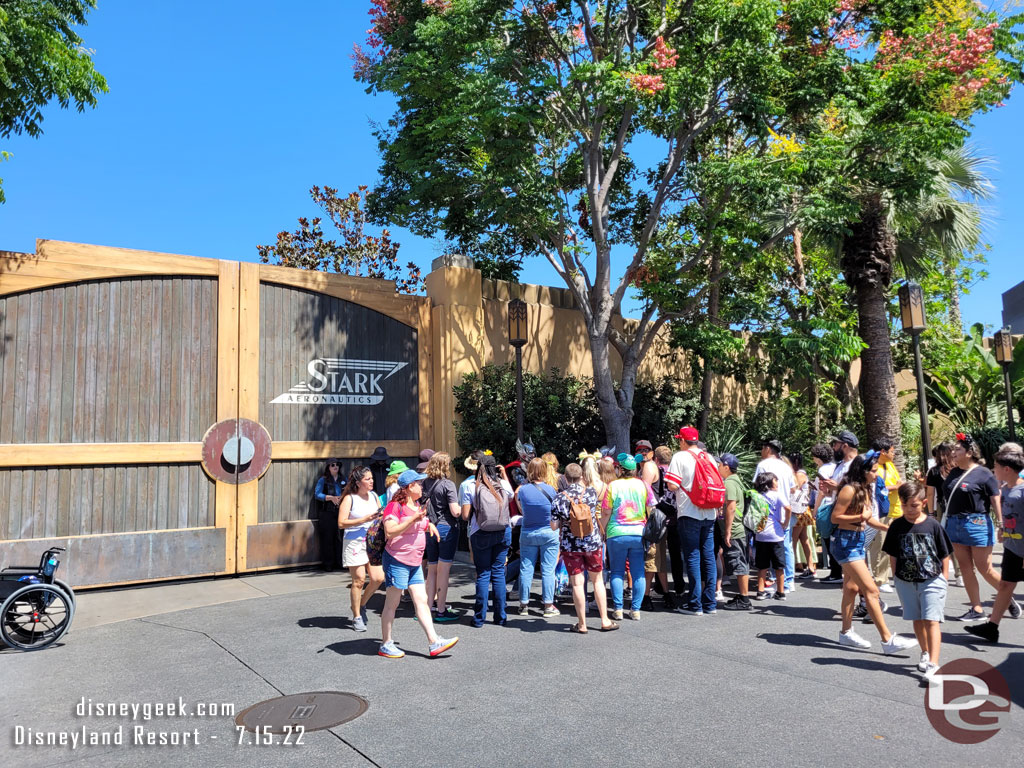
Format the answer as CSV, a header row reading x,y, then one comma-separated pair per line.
x,y
920,551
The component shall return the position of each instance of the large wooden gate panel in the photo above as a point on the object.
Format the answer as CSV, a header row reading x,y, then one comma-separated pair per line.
x,y
361,327
88,363
108,381
115,363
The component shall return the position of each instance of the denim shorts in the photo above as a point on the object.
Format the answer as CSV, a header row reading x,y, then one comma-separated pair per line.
x,y
400,575
923,600
971,530
443,550
847,546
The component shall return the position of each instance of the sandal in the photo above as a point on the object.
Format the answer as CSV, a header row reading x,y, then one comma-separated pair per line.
x,y
575,628
610,628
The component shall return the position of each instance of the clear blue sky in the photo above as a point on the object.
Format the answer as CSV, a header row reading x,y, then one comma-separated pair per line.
x,y
222,114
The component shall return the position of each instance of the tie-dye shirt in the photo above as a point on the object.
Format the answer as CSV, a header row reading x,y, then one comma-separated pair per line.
x,y
626,504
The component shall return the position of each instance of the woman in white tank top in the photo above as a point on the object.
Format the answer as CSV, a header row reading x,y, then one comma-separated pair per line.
x,y
359,507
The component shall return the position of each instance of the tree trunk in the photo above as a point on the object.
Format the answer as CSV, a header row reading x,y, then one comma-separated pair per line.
x,y
714,302
868,253
616,408
877,381
953,301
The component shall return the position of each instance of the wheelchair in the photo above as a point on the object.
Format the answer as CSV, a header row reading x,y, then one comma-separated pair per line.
x,y
36,608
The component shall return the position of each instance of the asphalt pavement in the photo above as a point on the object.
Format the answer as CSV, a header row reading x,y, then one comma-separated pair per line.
x,y
768,687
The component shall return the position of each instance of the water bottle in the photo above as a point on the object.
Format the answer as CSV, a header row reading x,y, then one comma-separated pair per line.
x,y
50,566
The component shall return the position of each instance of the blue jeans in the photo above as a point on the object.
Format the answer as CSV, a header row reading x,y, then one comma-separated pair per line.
x,y
539,543
697,540
443,550
490,550
790,569
621,549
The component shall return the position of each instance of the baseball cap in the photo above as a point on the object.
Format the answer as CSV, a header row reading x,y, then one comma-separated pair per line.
x,y
409,477
689,434
730,461
426,453
772,443
644,444
396,467
846,436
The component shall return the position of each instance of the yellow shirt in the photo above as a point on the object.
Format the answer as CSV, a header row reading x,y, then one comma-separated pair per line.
x,y
891,476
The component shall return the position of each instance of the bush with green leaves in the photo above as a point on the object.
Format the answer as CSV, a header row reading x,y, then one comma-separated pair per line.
x,y
560,412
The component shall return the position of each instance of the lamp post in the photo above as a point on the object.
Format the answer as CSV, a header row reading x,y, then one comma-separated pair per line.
x,y
517,338
912,316
1003,342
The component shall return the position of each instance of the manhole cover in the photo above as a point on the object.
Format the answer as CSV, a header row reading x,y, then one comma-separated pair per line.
x,y
313,711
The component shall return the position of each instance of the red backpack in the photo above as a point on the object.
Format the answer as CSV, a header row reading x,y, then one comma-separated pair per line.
x,y
708,488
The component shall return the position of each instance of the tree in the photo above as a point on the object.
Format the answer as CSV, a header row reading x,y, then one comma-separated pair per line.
x,y
42,59
915,80
567,130
357,254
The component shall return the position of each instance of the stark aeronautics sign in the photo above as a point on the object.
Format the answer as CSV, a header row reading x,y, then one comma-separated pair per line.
x,y
337,381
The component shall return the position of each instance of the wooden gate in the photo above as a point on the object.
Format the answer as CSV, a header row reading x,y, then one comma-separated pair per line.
x,y
114,365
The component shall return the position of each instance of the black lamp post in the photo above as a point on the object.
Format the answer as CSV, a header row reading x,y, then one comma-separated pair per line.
x,y
1003,343
912,315
517,338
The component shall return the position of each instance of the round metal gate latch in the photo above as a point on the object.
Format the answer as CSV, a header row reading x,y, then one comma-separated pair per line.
x,y
239,451
236,450
313,711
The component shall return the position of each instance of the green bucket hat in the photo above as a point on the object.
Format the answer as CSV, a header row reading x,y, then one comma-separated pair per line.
x,y
397,467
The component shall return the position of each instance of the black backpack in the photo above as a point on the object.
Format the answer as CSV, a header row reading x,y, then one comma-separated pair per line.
x,y
666,499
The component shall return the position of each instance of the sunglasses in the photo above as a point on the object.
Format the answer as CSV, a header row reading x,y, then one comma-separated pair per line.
x,y
333,464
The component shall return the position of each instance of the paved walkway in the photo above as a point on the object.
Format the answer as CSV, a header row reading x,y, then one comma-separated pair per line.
x,y
771,687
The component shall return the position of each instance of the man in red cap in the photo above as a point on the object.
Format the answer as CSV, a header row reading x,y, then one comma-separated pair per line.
x,y
696,528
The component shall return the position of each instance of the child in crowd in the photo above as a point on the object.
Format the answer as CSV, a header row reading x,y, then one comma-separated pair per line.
x,y
769,549
920,551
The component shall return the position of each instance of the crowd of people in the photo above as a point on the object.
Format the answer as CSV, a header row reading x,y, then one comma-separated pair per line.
x,y
626,522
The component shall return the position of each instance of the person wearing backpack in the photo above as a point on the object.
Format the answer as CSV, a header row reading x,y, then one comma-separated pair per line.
x,y
490,536
769,540
734,534
700,492
406,526
624,514
574,517
537,540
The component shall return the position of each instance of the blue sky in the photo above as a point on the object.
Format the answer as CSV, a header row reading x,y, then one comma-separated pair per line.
x,y
222,114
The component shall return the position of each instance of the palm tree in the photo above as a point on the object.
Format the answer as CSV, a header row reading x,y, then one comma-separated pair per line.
x,y
944,219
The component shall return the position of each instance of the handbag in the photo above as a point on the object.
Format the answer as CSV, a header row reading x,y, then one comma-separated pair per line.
x,y
655,528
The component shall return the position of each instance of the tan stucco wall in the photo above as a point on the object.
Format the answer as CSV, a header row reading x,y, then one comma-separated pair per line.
x,y
470,328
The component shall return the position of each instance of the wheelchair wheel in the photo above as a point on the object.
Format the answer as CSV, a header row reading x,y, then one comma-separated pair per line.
x,y
66,588
35,616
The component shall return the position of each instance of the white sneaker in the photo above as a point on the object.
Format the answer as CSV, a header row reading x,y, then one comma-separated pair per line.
x,y
929,670
720,596
853,640
898,643
885,588
924,662
959,581
1014,609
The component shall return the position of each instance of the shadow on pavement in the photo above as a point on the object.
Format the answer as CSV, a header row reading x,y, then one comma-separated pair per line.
x,y
871,664
325,622
796,611
807,641
1013,670
367,646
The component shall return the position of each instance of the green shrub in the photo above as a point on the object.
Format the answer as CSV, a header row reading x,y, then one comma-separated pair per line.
x,y
560,413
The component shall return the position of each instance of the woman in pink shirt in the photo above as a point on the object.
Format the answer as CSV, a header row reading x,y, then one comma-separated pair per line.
x,y
406,525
